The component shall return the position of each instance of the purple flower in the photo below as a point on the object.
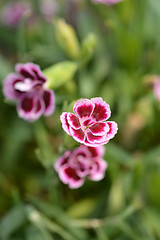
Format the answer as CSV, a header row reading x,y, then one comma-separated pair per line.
x,y
108,2
88,124
27,87
157,88
13,12
84,161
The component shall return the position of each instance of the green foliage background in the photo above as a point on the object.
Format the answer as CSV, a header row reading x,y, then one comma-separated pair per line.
x,y
34,204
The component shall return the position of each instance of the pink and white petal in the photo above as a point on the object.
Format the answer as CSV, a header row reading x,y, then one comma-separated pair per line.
x,y
96,151
69,176
40,107
49,101
95,139
98,171
26,107
78,135
102,109
83,108
113,128
88,144
63,175
83,151
88,121
30,108
8,86
99,129
37,71
73,184
82,173
24,70
65,124
73,121
62,160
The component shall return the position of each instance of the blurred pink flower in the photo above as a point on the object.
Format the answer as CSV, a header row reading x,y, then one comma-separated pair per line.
x,y
27,87
87,125
13,12
84,161
48,9
157,88
108,2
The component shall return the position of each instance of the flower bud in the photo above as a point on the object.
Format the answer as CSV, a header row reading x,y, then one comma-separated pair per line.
x,y
88,48
67,39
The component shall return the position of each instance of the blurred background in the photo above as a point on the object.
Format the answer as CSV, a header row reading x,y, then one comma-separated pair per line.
x,y
118,63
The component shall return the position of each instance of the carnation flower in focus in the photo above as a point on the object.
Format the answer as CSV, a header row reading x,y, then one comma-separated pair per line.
x,y
108,2
27,88
157,88
84,161
88,125
13,12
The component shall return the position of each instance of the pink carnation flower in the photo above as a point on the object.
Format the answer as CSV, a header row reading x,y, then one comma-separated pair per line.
x,y
88,125
84,161
157,88
27,87
13,12
108,2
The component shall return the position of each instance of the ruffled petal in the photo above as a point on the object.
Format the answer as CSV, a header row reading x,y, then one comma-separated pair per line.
x,y
24,70
69,176
94,139
62,160
65,124
30,70
113,128
97,170
83,108
73,121
78,135
37,71
83,151
99,129
8,87
88,144
96,151
73,184
30,108
49,101
101,110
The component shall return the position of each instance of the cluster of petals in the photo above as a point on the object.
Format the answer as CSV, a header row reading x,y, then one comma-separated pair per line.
x,y
88,125
14,11
157,88
108,2
82,162
27,88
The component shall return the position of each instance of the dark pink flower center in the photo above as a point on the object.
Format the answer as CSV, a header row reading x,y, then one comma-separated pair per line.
x,y
72,173
27,104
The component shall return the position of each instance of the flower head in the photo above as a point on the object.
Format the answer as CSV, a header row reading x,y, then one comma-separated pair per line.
x,y
83,162
108,2
13,12
88,125
27,87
